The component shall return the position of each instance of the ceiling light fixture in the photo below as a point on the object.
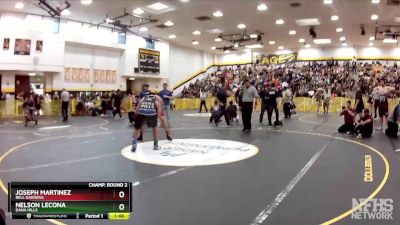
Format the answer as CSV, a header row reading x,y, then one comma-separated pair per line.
x,y
19,5
227,51
138,11
301,40
217,39
339,29
66,12
344,44
262,7
157,6
255,46
389,41
86,2
371,38
241,26
271,42
253,35
143,29
169,23
185,1
172,36
279,21
32,74
236,45
196,32
218,14
280,47
195,42
307,46
308,22
322,41
334,18
292,32
213,48
374,17
375,1
327,2
371,44
342,38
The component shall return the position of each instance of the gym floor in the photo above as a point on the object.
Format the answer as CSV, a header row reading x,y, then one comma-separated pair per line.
x,y
304,173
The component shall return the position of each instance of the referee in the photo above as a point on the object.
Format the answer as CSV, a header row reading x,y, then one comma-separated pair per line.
x,y
248,94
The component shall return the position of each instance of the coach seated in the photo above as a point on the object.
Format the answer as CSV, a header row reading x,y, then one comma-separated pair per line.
x,y
393,122
365,125
348,113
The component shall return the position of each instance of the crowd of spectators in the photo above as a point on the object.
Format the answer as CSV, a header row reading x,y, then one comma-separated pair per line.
x,y
342,78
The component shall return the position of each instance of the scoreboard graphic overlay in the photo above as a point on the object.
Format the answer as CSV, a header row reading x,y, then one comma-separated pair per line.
x,y
149,61
66,200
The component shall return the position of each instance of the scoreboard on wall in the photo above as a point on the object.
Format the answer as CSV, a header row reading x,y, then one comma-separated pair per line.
x,y
62,200
149,61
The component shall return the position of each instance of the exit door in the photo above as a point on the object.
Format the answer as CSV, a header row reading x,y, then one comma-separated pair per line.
x,y
22,85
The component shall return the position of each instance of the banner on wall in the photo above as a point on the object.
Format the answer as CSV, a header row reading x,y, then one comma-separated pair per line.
x,y
277,59
105,76
80,75
149,61
22,47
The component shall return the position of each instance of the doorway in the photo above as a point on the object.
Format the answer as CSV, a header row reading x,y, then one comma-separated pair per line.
x,y
129,85
22,85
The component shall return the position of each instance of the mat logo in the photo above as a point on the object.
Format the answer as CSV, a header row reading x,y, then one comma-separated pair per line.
x,y
374,209
191,152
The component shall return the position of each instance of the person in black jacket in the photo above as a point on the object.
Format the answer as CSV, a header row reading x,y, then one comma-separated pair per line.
x,y
271,95
222,97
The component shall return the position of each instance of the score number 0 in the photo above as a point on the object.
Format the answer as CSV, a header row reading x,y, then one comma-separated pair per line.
x,y
121,195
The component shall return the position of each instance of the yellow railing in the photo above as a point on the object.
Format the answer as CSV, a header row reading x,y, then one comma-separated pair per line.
x,y
53,108
49,108
303,104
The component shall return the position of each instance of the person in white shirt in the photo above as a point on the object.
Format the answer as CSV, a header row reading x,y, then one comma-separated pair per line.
x,y
203,97
287,97
326,100
64,104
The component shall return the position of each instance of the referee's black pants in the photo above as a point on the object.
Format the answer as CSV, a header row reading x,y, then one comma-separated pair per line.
x,y
247,110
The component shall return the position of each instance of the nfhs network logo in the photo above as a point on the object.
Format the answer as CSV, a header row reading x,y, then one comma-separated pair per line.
x,y
374,209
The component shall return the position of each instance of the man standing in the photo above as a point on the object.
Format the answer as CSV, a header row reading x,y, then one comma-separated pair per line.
x,y
383,92
116,102
249,98
263,104
145,91
287,97
166,96
203,97
271,96
64,104
222,97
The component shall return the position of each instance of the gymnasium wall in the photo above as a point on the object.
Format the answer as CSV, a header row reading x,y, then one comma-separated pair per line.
x,y
185,61
72,44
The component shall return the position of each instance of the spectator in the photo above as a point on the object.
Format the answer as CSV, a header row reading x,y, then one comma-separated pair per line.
x,y
65,97
287,98
116,99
